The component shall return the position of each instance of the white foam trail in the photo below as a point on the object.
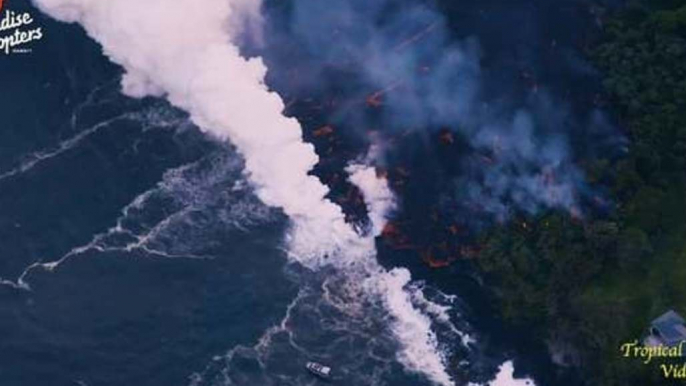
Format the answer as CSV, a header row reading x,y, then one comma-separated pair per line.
x,y
440,312
505,377
34,159
143,237
420,352
183,50
150,118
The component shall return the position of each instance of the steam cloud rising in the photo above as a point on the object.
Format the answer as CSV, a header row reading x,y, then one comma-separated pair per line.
x,y
184,50
520,156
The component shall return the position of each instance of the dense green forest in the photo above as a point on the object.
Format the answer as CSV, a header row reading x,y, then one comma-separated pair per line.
x,y
588,286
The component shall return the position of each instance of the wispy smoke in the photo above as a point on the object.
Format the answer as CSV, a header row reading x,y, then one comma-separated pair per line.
x,y
405,56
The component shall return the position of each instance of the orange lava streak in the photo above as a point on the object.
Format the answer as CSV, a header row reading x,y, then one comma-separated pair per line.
x,y
376,99
413,39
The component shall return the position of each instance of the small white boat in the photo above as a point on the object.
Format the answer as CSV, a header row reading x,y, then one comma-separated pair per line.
x,y
319,370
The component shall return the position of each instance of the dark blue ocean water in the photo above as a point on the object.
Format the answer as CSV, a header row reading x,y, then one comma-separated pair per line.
x,y
133,252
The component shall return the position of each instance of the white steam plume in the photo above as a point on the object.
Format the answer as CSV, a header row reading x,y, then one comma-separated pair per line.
x,y
378,196
419,345
184,50
506,377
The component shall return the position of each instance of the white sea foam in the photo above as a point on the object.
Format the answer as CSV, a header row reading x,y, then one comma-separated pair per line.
x,y
439,311
505,377
420,352
34,159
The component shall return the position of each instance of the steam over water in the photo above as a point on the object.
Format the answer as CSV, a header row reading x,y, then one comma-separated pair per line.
x,y
168,229
196,67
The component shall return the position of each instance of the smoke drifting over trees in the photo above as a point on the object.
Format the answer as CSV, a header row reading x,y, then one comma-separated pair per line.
x,y
415,71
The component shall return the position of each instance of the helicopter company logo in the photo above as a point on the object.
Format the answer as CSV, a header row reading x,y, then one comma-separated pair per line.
x,y
17,31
